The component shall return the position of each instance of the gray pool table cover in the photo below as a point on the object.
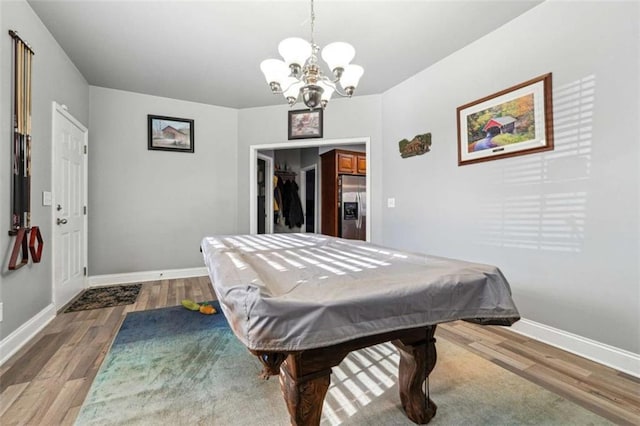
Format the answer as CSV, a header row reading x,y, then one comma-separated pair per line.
x,y
289,292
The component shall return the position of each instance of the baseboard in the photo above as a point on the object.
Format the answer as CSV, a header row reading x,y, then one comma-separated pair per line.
x,y
137,277
602,353
23,334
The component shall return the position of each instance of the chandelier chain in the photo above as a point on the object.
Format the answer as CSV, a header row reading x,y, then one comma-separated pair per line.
x,y
313,20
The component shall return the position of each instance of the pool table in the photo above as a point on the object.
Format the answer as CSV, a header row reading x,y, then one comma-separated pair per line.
x,y
302,302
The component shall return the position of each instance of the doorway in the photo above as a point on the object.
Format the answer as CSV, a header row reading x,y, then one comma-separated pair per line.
x,y
253,187
309,197
262,212
69,213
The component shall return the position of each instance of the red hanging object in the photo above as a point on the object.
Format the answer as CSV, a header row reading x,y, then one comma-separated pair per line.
x,y
21,243
36,251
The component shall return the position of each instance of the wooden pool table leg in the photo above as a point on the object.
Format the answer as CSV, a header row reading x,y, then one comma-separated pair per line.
x,y
305,375
304,380
304,395
417,359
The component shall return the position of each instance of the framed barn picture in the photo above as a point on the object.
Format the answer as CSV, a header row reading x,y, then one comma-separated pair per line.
x,y
515,121
304,124
170,134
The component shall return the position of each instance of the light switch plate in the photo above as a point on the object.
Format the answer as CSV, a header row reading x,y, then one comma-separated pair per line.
x,y
46,198
391,202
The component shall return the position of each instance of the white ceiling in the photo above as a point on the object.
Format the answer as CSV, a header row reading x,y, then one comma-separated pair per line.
x,y
210,51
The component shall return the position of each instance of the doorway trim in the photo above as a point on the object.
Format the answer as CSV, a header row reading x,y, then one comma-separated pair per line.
x,y
268,192
63,111
253,161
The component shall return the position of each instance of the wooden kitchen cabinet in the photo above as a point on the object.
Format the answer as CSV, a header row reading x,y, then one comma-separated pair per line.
x,y
335,163
361,164
351,163
347,162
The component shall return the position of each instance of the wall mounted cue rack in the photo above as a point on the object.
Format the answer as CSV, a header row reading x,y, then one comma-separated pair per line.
x,y
28,238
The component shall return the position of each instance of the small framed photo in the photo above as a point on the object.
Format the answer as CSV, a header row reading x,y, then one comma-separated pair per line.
x,y
515,121
305,124
170,134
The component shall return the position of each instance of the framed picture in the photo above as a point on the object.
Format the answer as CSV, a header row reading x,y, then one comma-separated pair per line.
x,y
304,124
170,134
515,121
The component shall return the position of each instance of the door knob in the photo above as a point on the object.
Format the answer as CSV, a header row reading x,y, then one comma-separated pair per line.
x,y
61,221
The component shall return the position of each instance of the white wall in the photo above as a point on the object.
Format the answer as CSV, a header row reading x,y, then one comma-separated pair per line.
x,y
27,291
564,225
343,118
149,210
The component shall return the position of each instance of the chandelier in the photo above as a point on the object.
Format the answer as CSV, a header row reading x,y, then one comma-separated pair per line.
x,y
299,75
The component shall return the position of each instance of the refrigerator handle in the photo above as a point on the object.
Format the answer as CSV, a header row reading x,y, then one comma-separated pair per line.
x,y
359,221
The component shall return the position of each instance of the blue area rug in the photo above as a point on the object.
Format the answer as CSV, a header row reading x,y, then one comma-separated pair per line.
x,y
176,366
173,366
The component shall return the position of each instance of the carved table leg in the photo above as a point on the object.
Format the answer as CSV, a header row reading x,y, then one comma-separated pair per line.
x,y
417,360
271,362
304,395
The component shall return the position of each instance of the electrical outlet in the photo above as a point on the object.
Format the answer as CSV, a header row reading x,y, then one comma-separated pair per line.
x,y
391,202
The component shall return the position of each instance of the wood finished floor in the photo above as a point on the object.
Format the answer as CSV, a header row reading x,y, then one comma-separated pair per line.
x,y
46,382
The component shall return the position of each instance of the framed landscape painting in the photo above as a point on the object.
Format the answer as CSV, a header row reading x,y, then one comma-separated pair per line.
x,y
515,121
305,124
170,134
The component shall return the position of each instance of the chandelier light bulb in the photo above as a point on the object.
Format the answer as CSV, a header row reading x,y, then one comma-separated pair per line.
x,y
292,88
338,54
295,51
351,77
328,90
274,70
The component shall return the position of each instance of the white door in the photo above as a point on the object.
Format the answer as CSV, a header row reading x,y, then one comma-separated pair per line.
x,y
69,206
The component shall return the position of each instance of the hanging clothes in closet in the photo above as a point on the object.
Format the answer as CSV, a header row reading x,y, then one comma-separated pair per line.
x,y
286,195
277,199
294,216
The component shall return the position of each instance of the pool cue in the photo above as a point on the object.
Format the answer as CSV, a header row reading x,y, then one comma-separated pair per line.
x,y
21,164
27,132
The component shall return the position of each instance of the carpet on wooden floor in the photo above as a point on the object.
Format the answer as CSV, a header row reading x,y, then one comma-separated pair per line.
x,y
105,297
174,366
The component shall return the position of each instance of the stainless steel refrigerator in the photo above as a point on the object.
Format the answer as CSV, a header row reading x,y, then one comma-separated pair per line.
x,y
352,193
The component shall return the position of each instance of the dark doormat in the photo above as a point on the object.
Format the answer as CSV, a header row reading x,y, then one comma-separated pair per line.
x,y
105,297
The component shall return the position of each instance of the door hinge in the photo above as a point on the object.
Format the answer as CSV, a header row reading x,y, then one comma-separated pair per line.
x,y
85,149
85,209
85,271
